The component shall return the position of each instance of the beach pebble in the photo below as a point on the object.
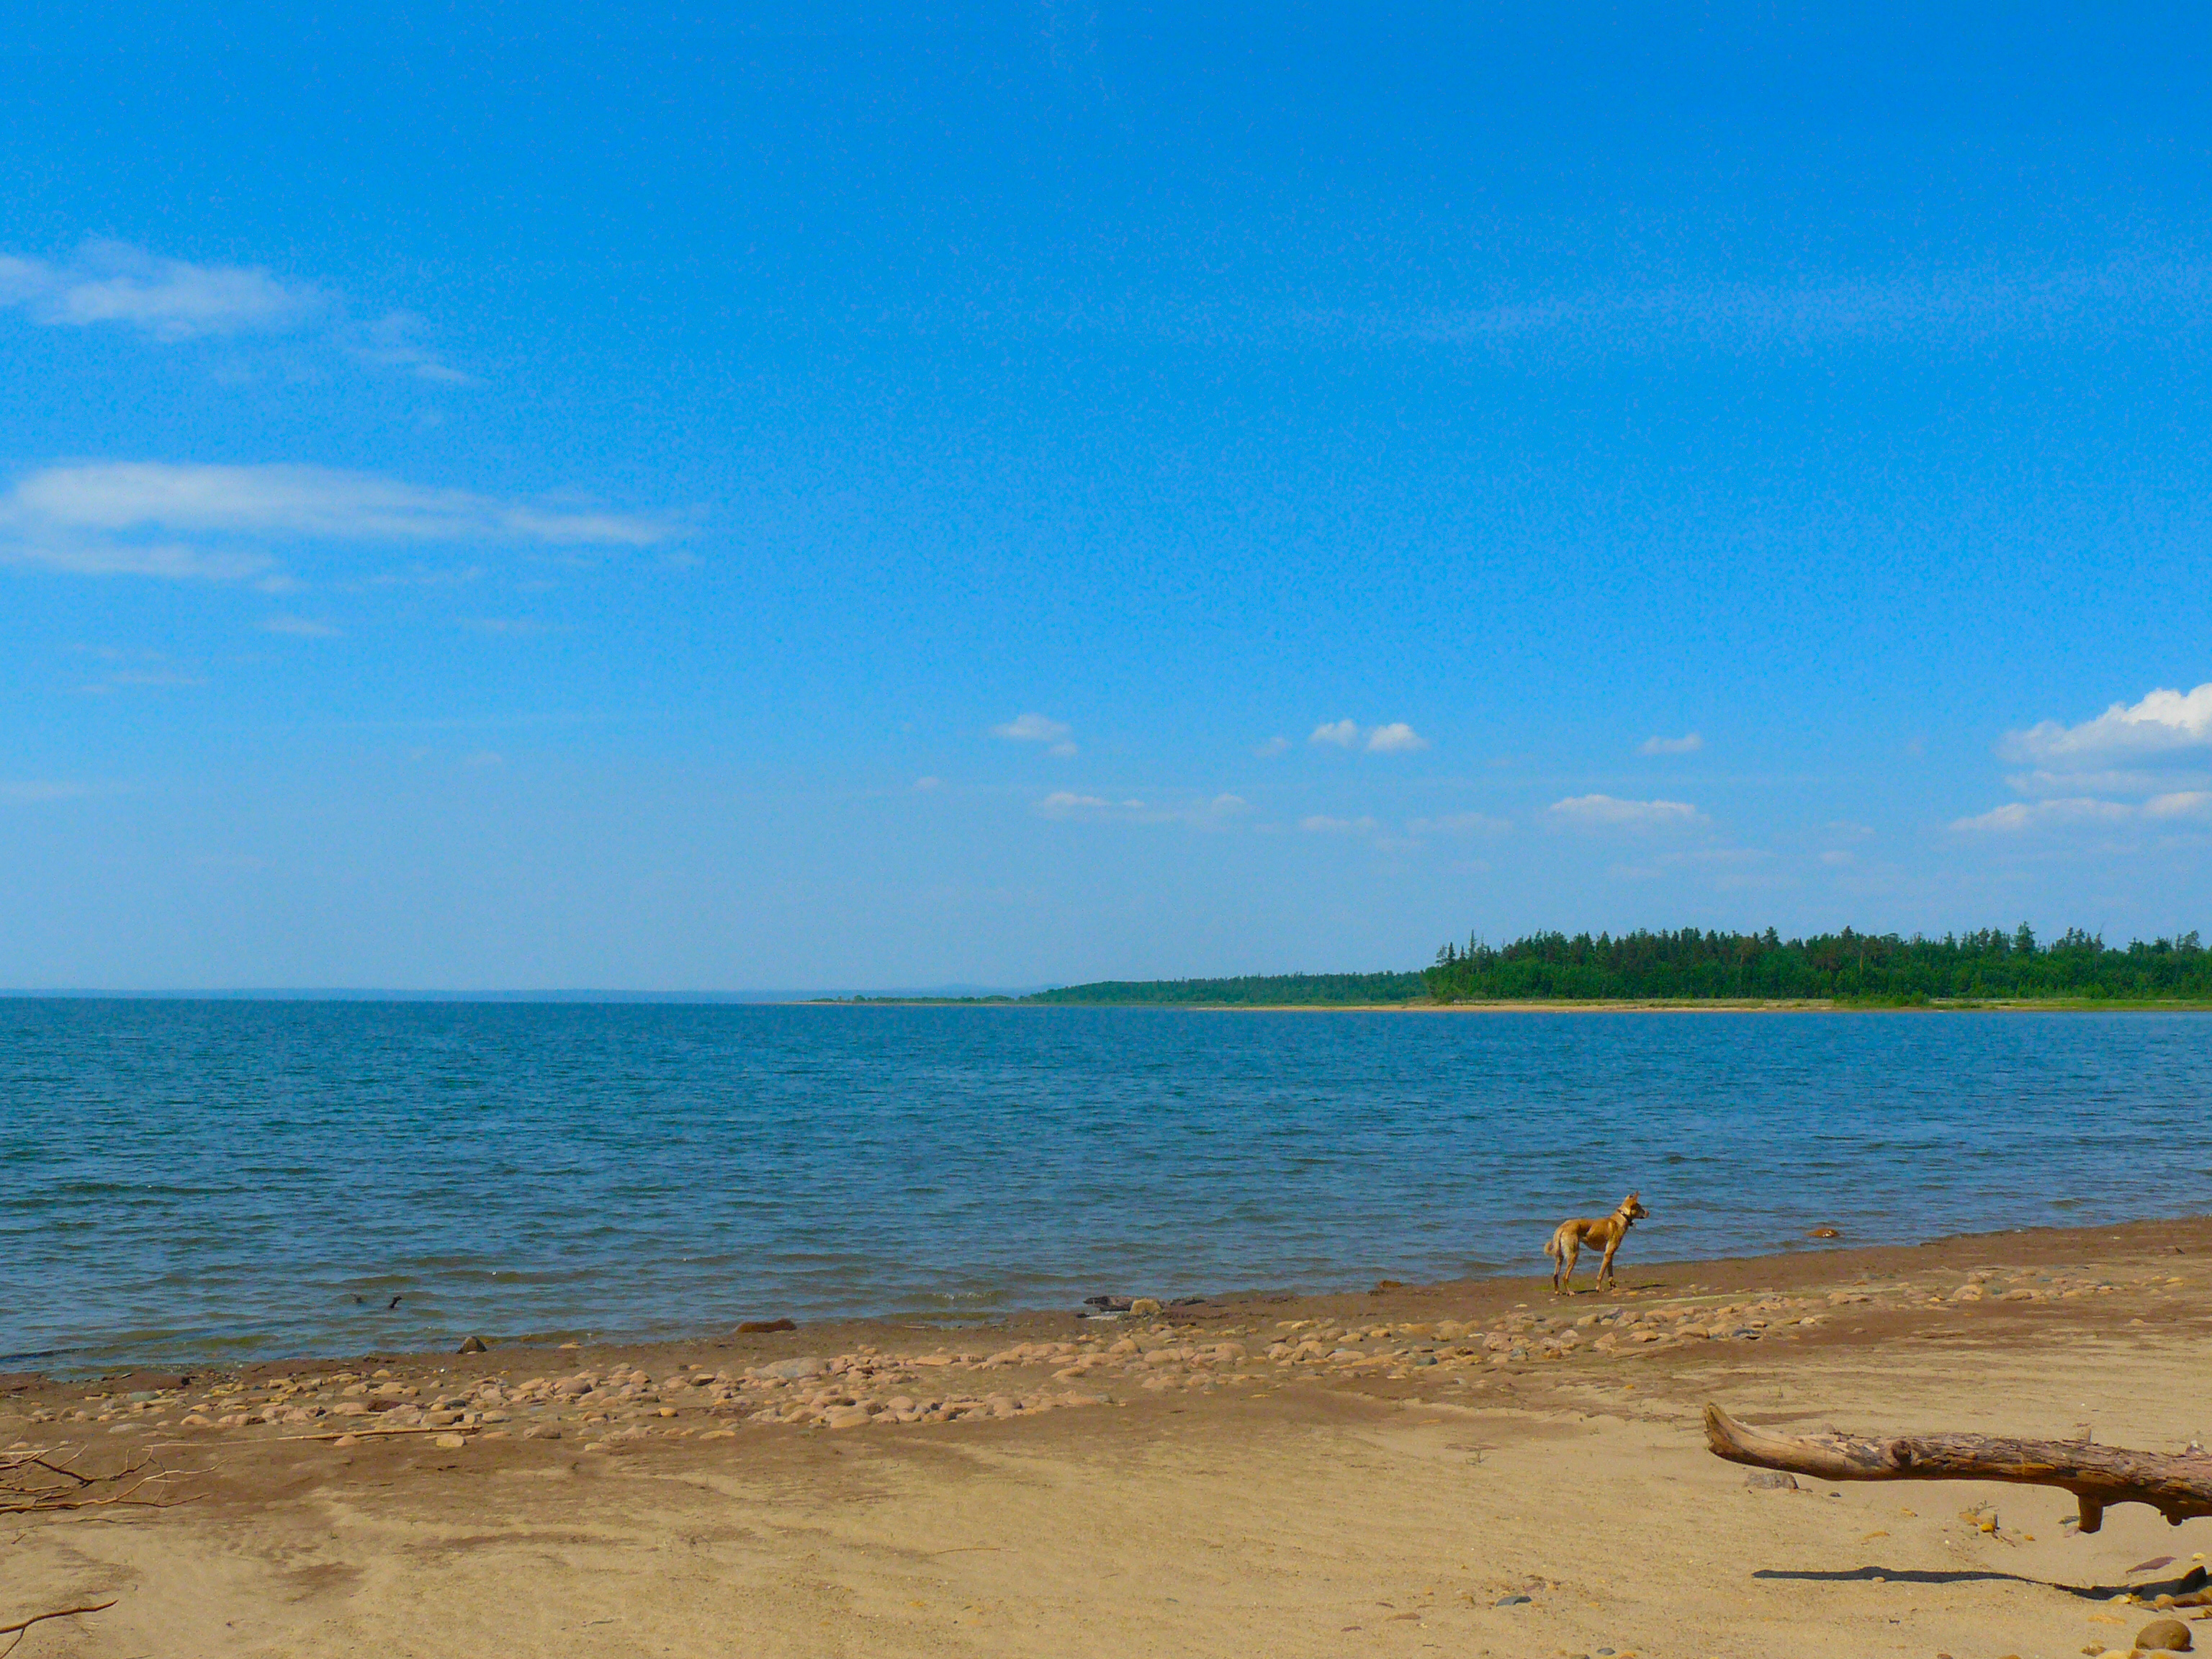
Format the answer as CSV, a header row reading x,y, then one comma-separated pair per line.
x,y
1771,1481
449,1442
791,1370
2163,1636
1510,1601
844,1417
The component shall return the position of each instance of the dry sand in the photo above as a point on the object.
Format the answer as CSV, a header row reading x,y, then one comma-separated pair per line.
x,y
1389,1496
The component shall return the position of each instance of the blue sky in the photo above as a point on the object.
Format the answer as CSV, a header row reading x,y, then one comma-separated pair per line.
x,y
873,495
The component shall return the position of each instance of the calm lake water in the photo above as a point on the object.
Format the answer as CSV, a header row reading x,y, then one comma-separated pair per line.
x,y
203,1180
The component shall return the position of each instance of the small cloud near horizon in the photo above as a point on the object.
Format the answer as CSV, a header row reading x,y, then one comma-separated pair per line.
x,y
2165,720
1272,747
306,628
1688,743
1395,738
1038,728
1606,812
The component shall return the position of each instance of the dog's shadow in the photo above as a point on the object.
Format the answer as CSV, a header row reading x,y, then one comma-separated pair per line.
x,y
2194,1579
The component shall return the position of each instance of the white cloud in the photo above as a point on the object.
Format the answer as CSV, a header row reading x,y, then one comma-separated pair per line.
x,y
2017,815
923,785
390,343
1396,739
2181,803
1036,728
1272,747
1321,825
111,496
2109,782
1688,743
179,520
1066,804
306,628
112,282
2163,721
1604,812
1459,823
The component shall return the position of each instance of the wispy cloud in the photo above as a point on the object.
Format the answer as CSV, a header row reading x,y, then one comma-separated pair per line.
x,y
1396,739
1054,735
114,283
1606,812
1208,812
1272,747
2016,816
306,628
1321,824
182,520
110,284
1960,306
1688,743
1459,823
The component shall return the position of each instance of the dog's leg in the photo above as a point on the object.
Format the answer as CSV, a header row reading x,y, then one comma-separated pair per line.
x,y
1563,1281
1605,1268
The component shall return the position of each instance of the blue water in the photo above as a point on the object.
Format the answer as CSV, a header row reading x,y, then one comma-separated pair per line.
x,y
221,1180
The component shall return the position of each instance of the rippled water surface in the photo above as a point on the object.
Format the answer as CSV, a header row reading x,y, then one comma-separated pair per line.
x,y
207,1179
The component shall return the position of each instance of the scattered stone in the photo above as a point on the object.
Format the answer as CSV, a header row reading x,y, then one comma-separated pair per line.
x,y
1510,1601
1107,1303
2163,1636
449,1442
764,1327
791,1370
1383,1285
1771,1481
1146,1305
474,1345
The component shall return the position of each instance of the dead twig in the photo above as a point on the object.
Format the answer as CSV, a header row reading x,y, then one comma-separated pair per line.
x,y
22,1626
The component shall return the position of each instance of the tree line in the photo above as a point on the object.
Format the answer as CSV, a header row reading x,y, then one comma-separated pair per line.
x,y
1849,967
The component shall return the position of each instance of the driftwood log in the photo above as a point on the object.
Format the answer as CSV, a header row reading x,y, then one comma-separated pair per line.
x,y
2179,1487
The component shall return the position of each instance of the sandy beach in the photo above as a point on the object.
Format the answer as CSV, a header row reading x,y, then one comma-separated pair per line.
x,y
1471,1468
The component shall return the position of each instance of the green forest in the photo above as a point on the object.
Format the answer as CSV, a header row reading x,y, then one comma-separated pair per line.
x,y
1848,967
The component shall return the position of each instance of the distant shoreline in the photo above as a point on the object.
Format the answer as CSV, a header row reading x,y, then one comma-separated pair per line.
x,y
1593,1006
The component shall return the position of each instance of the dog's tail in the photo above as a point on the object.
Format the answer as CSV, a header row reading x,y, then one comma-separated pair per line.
x,y
1552,1246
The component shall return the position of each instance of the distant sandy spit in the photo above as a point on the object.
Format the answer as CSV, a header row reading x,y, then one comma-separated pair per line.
x,y
1474,1467
1625,1005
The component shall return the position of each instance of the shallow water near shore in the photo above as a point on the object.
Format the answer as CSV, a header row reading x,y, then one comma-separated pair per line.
x,y
201,1180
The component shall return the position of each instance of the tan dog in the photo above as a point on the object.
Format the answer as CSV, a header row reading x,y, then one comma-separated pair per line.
x,y
1567,1242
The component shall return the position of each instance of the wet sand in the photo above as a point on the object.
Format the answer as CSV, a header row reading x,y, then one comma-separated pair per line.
x,y
1470,1468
